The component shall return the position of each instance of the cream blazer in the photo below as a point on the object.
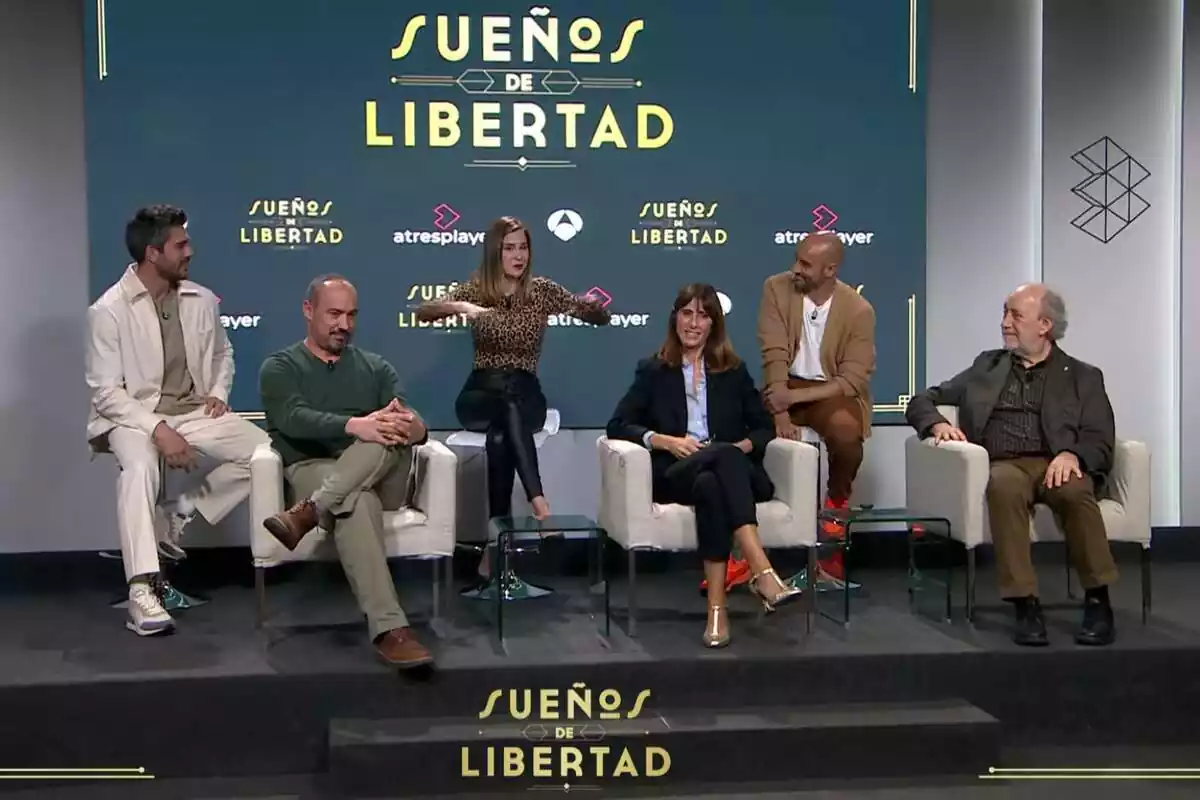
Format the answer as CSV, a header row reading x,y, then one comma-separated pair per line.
x,y
124,361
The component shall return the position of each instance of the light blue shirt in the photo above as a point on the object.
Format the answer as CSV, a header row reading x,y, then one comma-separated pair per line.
x,y
695,392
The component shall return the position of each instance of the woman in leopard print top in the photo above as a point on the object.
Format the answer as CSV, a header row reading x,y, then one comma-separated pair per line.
x,y
508,309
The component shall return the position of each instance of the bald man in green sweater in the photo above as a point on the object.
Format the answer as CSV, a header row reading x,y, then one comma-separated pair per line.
x,y
337,417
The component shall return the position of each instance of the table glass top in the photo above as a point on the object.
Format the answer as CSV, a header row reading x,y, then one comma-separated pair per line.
x,y
555,522
872,514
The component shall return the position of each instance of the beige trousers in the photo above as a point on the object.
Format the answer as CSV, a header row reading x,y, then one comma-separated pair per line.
x,y
228,438
355,489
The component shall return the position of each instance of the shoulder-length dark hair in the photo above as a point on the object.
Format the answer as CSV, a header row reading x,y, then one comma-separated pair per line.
x,y
490,275
719,355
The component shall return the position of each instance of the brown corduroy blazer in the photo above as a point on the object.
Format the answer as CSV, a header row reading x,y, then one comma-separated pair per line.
x,y
847,348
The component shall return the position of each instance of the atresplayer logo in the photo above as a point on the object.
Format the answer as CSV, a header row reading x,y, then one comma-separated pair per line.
x,y
571,735
290,224
239,321
823,220
504,49
678,225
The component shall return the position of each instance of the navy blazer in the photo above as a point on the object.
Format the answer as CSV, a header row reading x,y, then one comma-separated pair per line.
x,y
657,402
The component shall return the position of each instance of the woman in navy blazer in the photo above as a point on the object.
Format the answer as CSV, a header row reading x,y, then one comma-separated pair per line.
x,y
695,407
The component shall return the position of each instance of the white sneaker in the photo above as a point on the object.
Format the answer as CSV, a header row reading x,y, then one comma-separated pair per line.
x,y
168,544
147,617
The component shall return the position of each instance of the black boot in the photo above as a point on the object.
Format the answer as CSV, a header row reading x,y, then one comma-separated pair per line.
x,y
1031,623
1098,628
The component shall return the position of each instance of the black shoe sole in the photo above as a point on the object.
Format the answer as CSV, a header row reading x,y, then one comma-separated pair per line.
x,y
1086,642
1042,642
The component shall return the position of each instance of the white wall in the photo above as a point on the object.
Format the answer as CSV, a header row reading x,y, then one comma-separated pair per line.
x,y
1113,68
51,497
1190,273
985,206
983,173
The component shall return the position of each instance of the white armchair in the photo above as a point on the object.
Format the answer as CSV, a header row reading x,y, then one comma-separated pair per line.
x,y
631,518
422,529
950,480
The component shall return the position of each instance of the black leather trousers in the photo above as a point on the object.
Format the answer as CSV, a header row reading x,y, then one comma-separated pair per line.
x,y
508,406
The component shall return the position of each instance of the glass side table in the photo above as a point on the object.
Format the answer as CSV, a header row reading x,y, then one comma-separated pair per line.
x,y
506,531
921,532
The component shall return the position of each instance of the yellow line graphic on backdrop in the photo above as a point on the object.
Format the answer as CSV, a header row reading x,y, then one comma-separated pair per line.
x,y
912,46
101,40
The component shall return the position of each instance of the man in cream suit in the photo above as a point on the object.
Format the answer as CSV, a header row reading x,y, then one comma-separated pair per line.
x,y
159,370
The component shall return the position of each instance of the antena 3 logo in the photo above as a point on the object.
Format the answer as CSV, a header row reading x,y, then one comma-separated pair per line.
x,y
444,233
295,224
678,225
823,220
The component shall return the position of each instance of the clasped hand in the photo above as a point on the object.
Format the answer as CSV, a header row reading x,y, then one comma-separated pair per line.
x,y
394,424
679,446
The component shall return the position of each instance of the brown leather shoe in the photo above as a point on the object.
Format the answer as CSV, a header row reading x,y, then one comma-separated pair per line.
x,y
400,648
290,526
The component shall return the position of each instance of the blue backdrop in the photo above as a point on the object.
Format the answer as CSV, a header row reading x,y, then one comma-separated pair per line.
x,y
646,146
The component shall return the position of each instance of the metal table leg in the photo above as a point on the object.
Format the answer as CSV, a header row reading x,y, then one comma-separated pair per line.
x,y
506,583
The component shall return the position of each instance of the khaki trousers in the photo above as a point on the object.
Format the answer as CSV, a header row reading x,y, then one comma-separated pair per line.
x,y
1014,486
355,490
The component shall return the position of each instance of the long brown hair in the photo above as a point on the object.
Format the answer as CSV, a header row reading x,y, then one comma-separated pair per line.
x,y
490,274
719,355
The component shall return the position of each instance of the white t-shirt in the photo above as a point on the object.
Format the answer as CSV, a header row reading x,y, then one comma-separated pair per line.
x,y
808,356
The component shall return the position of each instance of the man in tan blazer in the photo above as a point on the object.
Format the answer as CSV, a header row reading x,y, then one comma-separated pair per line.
x,y
817,336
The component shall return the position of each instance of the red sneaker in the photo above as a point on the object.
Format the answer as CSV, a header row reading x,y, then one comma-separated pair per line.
x,y
833,566
736,573
832,529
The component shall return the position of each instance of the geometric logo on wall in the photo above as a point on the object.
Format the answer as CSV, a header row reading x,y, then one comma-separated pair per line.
x,y
1109,190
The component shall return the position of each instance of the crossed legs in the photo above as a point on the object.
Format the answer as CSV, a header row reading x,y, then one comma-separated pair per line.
x,y
351,495
838,421
228,439
348,497
717,482
511,452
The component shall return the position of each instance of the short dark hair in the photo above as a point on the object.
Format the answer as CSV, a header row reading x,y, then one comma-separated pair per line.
x,y
314,286
150,227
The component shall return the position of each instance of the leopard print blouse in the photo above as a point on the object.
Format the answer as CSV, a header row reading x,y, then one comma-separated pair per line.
x,y
510,337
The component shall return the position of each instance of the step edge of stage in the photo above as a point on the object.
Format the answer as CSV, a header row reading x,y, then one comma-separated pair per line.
x,y
399,731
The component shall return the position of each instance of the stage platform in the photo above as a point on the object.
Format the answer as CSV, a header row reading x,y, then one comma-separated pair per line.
x,y
898,696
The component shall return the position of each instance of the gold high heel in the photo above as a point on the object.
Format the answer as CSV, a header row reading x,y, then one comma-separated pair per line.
x,y
714,634
786,594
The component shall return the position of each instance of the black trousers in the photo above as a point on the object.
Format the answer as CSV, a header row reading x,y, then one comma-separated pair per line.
x,y
508,406
720,483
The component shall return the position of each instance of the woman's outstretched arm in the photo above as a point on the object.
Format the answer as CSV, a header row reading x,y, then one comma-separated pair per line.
x,y
459,300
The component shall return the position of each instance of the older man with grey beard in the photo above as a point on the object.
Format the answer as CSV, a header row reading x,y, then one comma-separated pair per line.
x,y
1047,425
